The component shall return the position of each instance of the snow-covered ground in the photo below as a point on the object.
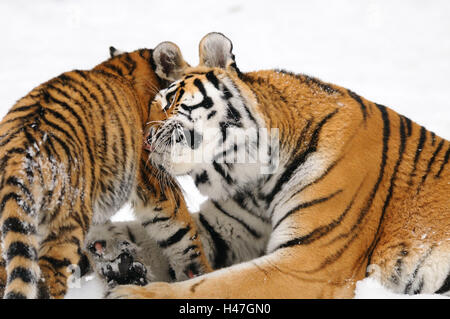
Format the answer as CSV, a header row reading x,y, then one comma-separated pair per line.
x,y
395,53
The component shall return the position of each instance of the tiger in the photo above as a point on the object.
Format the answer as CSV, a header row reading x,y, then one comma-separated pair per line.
x,y
71,156
351,188
124,253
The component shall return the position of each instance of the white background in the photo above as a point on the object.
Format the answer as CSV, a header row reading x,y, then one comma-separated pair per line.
x,y
396,53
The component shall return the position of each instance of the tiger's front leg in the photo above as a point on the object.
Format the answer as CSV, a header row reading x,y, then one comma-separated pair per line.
x,y
164,214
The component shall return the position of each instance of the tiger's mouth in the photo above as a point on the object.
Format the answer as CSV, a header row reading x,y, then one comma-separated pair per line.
x,y
162,139
174,147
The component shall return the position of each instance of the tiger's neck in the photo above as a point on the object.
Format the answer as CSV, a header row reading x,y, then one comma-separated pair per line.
x,y
143,83
290,105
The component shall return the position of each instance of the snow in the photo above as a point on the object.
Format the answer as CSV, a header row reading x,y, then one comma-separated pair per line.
x,y
396,53
369,288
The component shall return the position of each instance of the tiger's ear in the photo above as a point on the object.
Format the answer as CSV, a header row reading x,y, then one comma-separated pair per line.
x,y
114,52
216,51
168,61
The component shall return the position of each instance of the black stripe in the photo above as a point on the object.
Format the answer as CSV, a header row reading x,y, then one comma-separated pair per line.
x,y
56,263
14,181
15,295
18,248
18,199
23,108
175,238
306,79
233,115
411,281
131,235
86,108
64,120
22,119
430,163
369,202
168,99
101,107
301,158
24,274
113,68
77,117
11,136
207,102
358,99
129,63
180,95
305,205
389,195
444,162
210,115
445,287
226,92
202,178
189,248
60,233
14,224
223,130
222,173
420,144
220,246
69,137
124,182
213,79
408,125
433,138
155,220
249,114
7,156
247,227
321,177
321,231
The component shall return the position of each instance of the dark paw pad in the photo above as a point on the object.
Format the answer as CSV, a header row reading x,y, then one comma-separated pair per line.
x,y
125,271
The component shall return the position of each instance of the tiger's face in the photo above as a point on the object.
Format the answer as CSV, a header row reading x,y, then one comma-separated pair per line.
x,y
207,119
204,122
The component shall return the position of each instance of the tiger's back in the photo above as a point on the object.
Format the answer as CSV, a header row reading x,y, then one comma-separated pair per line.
x,y
86,119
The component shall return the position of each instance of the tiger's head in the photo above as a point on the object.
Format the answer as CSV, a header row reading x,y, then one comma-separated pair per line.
x,y
210,113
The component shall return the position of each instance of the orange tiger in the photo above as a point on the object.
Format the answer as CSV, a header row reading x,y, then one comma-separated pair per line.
x,y
349,187
71,155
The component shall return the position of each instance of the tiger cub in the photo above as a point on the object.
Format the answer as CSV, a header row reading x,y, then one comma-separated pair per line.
x,y
71,155
124,253
350,187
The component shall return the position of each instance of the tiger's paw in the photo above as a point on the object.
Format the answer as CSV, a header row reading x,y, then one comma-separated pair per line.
x,y
117,262
158,290
124,271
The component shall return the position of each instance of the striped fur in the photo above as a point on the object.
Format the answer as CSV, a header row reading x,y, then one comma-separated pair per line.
x,y
226,240
71,155
359,190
